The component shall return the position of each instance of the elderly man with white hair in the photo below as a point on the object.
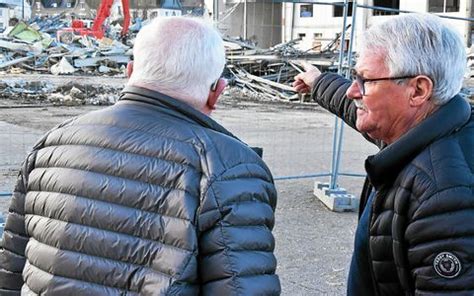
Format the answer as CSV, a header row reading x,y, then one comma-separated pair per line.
x,y
416,233
149,196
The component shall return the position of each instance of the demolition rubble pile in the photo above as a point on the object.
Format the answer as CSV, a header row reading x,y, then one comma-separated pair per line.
x,y
41,93
35,48
46,46
268,73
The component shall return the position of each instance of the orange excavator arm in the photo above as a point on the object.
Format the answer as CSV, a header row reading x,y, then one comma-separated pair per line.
x,y
126,17
104,12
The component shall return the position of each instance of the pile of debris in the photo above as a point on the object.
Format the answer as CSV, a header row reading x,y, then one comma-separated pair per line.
x,y
41,93
270,72
36,48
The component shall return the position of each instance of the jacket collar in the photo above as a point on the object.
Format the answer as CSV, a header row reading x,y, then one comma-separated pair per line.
x,y
176,108
172,106
385,166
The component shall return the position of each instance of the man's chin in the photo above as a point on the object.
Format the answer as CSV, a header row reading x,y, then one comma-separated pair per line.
x,y
363,127
360,126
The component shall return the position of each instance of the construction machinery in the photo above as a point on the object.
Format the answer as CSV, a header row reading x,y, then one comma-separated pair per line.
x,y
78,27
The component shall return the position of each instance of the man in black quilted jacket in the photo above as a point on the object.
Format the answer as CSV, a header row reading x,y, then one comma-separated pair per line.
x,y
149,196
416,233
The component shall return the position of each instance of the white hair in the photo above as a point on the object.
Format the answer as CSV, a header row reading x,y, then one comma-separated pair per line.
x,y
421,44
178,55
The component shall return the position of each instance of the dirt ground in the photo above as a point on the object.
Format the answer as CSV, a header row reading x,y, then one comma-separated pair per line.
x,y
313,244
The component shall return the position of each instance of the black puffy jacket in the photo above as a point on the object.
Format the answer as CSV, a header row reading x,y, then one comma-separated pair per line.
x,y
146,197
421,233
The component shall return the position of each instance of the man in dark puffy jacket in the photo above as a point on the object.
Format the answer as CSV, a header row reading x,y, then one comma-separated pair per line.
x,y
416,233
149,196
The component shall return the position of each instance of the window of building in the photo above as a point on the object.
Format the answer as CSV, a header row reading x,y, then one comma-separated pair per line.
x,y
443,5
306,10
318,35
301,35
1,12
339,9
395,4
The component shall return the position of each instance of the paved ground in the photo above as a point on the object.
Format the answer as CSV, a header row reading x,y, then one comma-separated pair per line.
x,y
313,244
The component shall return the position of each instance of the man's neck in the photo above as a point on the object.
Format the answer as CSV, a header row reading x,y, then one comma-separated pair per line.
x,y
171,93
422,113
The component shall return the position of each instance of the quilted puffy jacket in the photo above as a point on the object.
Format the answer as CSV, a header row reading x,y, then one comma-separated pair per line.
x,y
146,197
423,210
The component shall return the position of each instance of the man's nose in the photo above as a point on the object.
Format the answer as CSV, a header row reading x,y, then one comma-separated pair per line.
x,y
354,92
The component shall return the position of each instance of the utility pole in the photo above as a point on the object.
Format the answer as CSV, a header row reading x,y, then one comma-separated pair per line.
x,y
215,10
293,16
245,19
469,14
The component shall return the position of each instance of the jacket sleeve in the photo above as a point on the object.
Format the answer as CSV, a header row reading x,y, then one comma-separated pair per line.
x,y
236,243
12,251
440,241
329,92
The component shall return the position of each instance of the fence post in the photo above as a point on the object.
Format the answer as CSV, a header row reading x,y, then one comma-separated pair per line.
x,y
334,197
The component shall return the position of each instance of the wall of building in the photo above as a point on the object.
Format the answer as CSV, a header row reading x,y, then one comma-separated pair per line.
x,y
322,26
4,18
263,21
423,6
13,8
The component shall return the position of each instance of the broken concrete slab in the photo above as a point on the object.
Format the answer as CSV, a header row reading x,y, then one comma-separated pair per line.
x,y
104,69
63,67
20,46
15,61
88,62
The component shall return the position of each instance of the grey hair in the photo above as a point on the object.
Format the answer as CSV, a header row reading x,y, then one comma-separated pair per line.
x,y
421,44
178,55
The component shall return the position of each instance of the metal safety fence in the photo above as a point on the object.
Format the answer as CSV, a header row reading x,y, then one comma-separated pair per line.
x,y
350,12
298,144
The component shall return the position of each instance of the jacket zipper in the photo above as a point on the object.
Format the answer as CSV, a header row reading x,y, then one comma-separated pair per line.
x,y
372,274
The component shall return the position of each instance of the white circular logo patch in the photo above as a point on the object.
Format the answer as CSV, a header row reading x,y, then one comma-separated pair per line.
x,y
447,265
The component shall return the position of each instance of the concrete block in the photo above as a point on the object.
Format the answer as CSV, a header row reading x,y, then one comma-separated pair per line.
x,y
337,200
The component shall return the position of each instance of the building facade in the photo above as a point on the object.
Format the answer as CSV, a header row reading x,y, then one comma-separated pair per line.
x,y
317,25
87,8
258,21
19,9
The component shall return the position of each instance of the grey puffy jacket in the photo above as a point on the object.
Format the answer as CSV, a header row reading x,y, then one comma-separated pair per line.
x,y
146,197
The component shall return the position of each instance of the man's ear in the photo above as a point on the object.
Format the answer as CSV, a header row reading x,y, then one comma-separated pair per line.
x,y
214,95
129,69
422,90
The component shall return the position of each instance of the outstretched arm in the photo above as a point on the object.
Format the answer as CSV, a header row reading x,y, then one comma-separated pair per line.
x,y
329,91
